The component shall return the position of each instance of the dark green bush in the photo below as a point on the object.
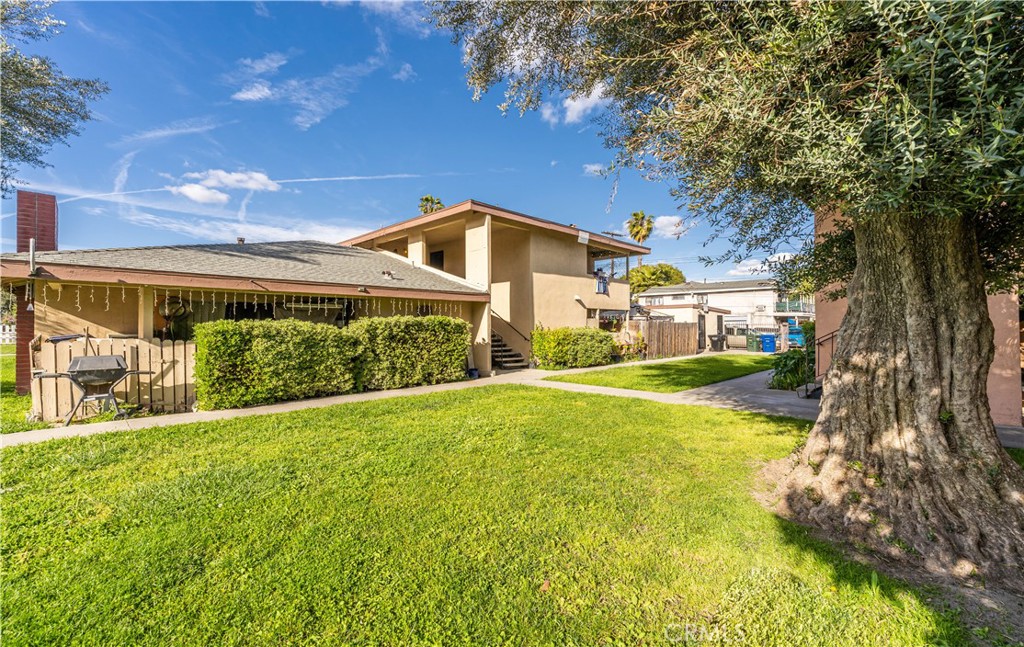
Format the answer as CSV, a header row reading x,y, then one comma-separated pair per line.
x,y
572,347
791,370
409,351
244,363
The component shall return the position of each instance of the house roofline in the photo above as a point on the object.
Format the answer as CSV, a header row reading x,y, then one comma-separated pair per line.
x,y
482,207
18,270
677,306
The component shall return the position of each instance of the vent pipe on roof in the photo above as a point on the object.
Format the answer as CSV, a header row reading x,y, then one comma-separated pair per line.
x,y
240,240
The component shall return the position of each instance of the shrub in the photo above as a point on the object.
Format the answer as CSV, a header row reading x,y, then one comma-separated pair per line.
x,y
572,347
808,328
245,363
790,370
409,351
633,350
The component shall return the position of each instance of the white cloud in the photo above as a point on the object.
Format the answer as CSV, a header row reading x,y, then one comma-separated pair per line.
x,y
122,166
578,108
261,9
256,91
410,16
199,193
755,266
595,170
574,109
217,230
549,114
315,97
243,208
220,179
268,64
406,73
554,163
176,129
355,178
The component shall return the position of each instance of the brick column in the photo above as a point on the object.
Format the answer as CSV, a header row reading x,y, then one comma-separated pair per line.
x,y
25,322
37,218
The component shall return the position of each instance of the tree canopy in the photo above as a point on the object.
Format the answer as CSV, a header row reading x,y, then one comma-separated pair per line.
x,y
645,277
762,113
903,122
39,105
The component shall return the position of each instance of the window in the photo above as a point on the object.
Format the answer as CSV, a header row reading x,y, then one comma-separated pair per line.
x,y
437,260
655,301
602,283
591,313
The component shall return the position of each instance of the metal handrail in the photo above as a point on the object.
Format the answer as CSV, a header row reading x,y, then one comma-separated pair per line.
x,y
818,343
509,323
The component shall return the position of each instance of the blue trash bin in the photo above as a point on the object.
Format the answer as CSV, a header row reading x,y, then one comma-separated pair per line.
x,y
768,343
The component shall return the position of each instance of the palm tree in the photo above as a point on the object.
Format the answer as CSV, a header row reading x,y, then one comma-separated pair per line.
x,y
430,204
640,226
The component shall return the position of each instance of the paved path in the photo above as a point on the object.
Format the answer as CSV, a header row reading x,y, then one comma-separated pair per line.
x,y
747,393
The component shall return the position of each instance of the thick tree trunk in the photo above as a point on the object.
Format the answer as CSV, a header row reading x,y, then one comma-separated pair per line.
x,y
904,456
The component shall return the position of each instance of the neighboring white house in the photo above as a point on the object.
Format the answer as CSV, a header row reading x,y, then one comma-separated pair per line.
x,y
752,303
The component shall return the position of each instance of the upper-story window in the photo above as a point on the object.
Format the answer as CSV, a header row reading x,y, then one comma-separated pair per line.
x,y
655,301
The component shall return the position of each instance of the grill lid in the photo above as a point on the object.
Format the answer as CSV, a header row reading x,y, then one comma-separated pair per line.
x,y
97,369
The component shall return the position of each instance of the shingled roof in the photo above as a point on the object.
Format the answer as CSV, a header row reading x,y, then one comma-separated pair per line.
x,y
293,261
713,286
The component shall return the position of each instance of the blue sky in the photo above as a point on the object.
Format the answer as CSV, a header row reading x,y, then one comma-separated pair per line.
x,y
309,120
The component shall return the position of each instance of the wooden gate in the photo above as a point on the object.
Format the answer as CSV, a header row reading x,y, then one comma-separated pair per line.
x,y
667,338
170,388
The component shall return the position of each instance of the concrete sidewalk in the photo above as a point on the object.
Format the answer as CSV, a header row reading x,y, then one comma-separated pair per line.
x,y
748,393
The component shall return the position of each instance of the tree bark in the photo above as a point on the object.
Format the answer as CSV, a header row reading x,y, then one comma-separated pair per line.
x,y
904,456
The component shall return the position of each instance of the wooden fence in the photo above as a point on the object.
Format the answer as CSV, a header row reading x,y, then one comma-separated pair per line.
x,y
667,338
170,388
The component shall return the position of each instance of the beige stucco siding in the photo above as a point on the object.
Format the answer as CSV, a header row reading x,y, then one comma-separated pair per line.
x,y
512,287
77,309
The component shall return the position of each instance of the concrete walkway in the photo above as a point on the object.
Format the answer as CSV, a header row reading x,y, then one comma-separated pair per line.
x,y
747,393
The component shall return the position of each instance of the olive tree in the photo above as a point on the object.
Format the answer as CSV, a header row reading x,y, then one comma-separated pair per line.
x,y
39,105
901,119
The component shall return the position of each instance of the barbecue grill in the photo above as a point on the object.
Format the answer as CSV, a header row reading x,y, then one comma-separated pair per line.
x,y
96,377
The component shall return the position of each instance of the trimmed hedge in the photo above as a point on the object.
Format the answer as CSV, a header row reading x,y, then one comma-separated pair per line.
x,y
572,347
245,363
409,351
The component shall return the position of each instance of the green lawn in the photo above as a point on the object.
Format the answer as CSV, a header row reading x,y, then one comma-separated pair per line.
x,y
669,377
496,515
13,407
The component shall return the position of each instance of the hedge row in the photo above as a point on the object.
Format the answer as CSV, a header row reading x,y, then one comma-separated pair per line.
x,y
409,351
245,363
572,347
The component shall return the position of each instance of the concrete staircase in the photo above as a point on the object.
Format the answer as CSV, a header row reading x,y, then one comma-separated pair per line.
x,y
503,357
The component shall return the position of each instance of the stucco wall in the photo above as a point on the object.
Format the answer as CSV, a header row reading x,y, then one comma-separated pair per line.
x,y
512,287
61,316
555,253
454,256
1004,378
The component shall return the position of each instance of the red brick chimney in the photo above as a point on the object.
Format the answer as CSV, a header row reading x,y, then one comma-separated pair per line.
x,y
37,218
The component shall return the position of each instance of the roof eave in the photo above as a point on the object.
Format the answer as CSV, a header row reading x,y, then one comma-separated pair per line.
x,y
467,206
18,270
